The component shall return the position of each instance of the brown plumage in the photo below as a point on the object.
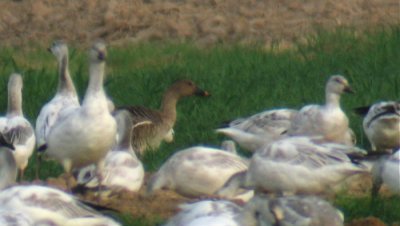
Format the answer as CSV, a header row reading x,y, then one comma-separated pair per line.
x,y
149,136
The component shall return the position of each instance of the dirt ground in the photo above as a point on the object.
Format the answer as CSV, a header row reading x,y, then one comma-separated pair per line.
x,y
204,21
165,203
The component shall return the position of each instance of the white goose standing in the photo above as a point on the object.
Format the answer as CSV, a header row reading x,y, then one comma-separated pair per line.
x,y
15,127
86,134
123,171
65,97
327,121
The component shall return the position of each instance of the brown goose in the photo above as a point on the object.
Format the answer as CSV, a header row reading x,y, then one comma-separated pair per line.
x,y
149,136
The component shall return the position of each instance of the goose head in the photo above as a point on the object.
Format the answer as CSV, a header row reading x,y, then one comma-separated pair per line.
x,y
338,84
98,52
59,49
187,88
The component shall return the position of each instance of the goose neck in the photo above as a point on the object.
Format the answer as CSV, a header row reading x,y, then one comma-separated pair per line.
x,y
95,92
14,102
332,99
168,105
65,84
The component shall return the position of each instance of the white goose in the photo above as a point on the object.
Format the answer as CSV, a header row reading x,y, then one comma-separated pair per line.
x,y
260,210
207,212
86,134
387,171
15,127
8,167
198,171
382,125
48,206
296,165
260,129
66,96
327,121
123,171
291,210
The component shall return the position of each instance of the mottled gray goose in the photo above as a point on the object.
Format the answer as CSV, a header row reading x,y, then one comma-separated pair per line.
x,y
163,120
66,96
253,132
296,165
42,205
15,127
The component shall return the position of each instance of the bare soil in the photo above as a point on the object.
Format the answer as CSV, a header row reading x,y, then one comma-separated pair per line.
x,y
164,204
206,21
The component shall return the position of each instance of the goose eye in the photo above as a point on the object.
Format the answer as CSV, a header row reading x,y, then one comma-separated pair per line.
x,y
338,80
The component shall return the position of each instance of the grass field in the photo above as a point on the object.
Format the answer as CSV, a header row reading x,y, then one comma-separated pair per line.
x,y
243,80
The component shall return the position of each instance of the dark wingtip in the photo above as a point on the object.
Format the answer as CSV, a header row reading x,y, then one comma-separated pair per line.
x,y
362,110
42,148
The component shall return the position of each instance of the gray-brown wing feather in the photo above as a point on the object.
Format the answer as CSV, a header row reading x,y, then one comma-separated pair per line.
x,y
19,134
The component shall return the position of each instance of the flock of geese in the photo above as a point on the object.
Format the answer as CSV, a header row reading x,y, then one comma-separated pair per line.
x,y
298,155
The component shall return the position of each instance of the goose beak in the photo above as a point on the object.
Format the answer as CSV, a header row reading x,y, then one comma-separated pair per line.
x,y
348,89
200,92
49,49
101,56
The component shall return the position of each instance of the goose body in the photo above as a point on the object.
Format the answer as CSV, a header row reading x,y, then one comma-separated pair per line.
x,y
8,167
206,212
327,121
87,133
391,172
15,127
48,206
162,121
290,210
123,171
66,96
260,129
301,166
197,171
382,125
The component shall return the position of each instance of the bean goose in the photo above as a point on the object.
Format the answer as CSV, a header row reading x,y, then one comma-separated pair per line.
x,y
123,171
87,133
163,120
382,125
15,127
198,171
66,96
260,129
48,206
327,121
296,165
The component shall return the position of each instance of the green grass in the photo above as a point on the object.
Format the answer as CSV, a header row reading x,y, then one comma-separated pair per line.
x,y
243,80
